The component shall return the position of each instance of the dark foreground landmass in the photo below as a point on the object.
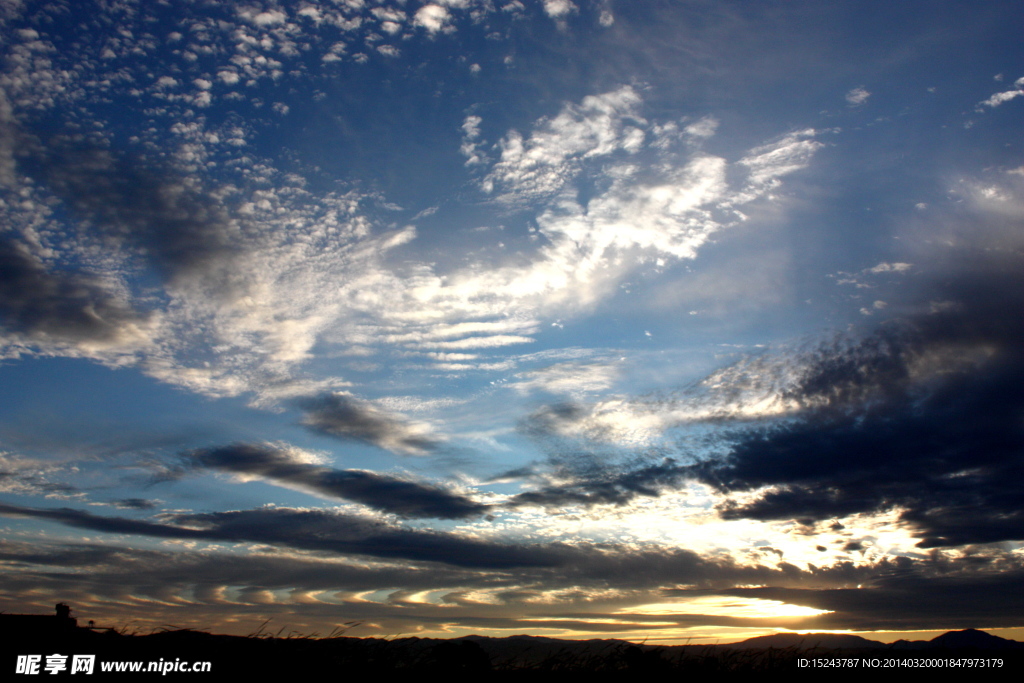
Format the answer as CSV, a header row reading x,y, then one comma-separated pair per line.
x,y
492,659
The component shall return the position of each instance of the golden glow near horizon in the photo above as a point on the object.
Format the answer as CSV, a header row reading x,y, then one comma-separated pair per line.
x,y
726,606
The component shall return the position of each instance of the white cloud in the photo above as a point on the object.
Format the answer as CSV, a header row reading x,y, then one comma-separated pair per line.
x,y
388,14
786,155
889,268
432,17
541,164
557,9
1005,96
296,271
267,18
666,210
420,334
24,476
480,342
313,13
753,388
705,128
471,141
571,378
857,97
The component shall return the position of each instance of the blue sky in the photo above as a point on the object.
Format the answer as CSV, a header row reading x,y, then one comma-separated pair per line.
x,y
663,320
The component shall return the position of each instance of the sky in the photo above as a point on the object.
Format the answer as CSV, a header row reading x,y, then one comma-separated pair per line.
x,y
677,321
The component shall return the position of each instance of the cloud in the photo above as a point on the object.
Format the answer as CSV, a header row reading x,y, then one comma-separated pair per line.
x,y
989,596
918,418
889,268
571,378
252,277
181,229
921,417
432,17
471,142
47,305
558,9
1005,96
382,492
542,164
603,486
552,564
857,97
31,477
753,388
769,162
133,504
8,141
345,417
317,530
665,589
243,277
704,128
615,191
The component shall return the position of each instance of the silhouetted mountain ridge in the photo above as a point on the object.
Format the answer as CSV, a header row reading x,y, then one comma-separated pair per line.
x,y
807,640
509,658
968,638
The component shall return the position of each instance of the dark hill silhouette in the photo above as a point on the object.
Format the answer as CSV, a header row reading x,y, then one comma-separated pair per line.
x,y
480,657
976,639
808,640
969,638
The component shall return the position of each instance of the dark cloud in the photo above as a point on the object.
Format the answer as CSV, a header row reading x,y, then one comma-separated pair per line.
x,y
185,233
32,478
930,593
348,418
121,567
990,600
587,472
128,207
606,486
546,564
548,421
379,491
924,416
349,535
48,304
316,530
541,566
113,525
71,556
134,504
